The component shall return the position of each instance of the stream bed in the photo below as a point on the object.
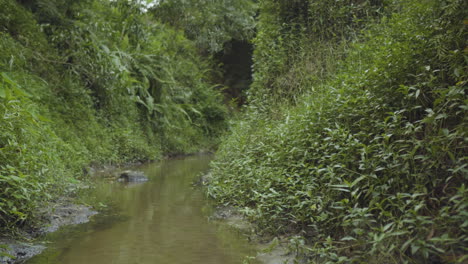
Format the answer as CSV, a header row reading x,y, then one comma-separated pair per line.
x,y
165,220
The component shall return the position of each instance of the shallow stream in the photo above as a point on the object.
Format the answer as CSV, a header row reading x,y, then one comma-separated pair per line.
x,y
165,220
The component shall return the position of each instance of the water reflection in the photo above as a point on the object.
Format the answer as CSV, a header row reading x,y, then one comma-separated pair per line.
x,y
160,221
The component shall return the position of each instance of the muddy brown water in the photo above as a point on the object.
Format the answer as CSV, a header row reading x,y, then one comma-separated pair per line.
x,y
165,220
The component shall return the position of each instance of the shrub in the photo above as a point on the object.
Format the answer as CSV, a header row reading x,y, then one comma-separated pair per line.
x,y
369,165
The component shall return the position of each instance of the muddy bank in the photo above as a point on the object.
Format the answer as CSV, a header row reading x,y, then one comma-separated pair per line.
x,y
61,213
270,250
66,213
163,220
176,155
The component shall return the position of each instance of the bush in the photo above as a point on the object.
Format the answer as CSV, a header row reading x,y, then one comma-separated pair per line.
x,y
88,82
369,165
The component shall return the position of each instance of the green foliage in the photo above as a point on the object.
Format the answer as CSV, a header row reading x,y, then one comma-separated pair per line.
x,y
212,23
220,29
19,23
177,95
93,81
370,164
299,43
26,167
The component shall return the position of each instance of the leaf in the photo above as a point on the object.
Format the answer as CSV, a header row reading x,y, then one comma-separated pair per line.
x,y
15,87
339,187
2,92
387,226
356,181
8,80
414,248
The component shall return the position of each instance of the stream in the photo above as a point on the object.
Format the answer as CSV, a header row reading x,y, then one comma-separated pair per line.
x,y
165,220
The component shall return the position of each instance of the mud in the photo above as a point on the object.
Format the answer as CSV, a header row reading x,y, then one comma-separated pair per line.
x,y
269,250
59,214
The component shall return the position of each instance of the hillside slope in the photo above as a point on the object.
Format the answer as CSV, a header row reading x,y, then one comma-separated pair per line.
x,y
93,82
354,137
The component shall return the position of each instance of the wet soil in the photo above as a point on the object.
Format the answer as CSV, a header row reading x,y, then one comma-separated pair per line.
x,y
61,213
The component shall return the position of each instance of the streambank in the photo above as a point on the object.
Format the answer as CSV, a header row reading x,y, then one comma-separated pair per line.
x,y
163,220
270,250
65,211
61,213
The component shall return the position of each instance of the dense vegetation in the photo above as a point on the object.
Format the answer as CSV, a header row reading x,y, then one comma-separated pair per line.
x,y
88,82
221,29
211,23
352,139
354,136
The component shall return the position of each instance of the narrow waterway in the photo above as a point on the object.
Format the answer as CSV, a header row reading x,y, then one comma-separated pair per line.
x,y
165,220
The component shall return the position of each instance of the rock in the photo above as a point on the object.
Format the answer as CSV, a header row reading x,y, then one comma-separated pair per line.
x,y
91,171
67,214
276,252
132,176
203,180
17,252
64,212
225,212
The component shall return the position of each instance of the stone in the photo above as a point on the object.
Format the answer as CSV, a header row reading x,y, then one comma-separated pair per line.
x,y
17,252
132,176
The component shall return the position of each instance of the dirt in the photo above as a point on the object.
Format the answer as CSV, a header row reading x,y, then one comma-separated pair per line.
x,y
61,213
270,250
66,214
